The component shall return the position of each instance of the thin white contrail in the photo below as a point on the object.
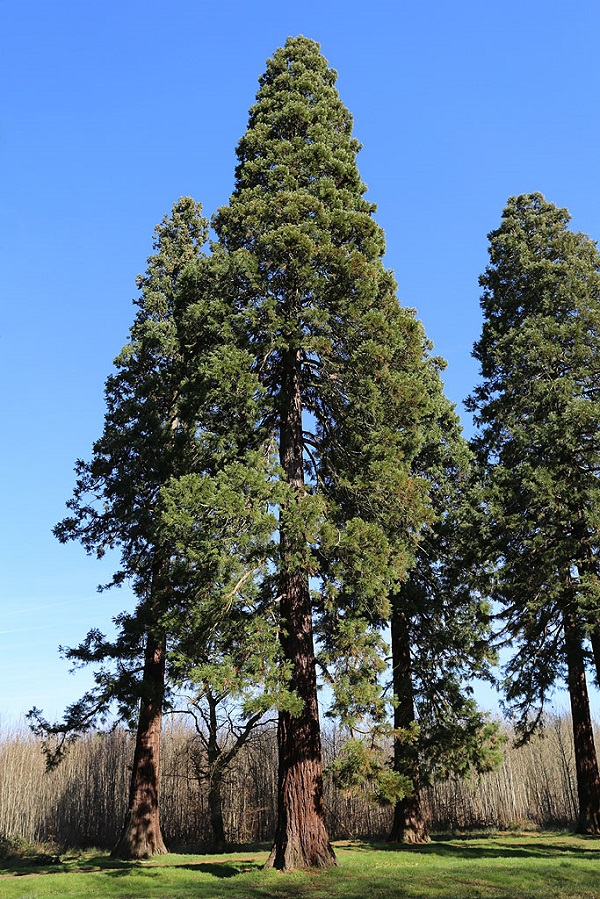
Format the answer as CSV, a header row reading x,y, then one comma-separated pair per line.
x,y
42,608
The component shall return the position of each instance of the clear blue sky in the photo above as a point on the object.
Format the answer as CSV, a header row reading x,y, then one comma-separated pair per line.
x,y
112,110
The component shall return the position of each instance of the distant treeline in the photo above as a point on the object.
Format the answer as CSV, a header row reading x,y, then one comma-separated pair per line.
x,y
83,802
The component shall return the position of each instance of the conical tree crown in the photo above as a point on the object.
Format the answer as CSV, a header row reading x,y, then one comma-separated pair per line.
x,y
299,199
538,349
540,274
141,445
306,274
299,140
305,254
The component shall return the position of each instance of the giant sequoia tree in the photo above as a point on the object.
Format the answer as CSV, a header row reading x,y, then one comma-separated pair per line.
x,y
341,366
538,409
176,406
115,505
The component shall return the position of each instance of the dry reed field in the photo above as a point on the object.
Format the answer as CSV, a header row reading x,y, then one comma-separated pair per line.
x,y
83,801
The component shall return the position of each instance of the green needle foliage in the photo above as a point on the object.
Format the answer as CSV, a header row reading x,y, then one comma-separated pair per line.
x,y
116,505
117,494
341,366
440,629
537,409
169,486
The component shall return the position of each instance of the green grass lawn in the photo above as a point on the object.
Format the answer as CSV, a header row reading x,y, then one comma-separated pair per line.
x,y
506,866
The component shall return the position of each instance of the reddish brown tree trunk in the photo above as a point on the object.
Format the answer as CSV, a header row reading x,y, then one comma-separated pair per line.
x,y
141,836
301,839
586,762
409,824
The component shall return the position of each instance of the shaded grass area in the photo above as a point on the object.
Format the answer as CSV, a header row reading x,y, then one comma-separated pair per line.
x,y
500,867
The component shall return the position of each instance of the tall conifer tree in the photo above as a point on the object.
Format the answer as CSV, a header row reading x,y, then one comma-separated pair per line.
x,y
440,630
169,463
115,505
341,365
538,409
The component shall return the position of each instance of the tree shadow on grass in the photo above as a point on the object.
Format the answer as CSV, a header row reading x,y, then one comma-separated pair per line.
x,y
466,850
23,868
221,870
64,864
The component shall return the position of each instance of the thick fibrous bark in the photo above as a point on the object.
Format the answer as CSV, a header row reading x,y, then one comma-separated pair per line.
x,y
586,763
141,836
408,825
301,839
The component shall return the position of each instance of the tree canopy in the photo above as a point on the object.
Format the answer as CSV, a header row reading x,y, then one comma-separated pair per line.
x,y
284,479
537,409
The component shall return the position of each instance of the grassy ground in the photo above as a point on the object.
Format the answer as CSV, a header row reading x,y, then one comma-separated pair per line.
x,y
543,866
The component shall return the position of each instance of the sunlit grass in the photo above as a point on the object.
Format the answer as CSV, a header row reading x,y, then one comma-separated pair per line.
x,y
498,867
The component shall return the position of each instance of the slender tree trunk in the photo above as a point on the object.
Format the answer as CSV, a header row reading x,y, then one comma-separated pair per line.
x,y
141,836
215,807
301,839
215,776
409,824
586,762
